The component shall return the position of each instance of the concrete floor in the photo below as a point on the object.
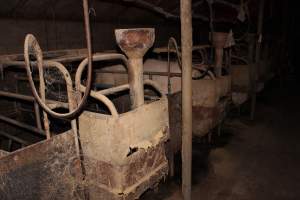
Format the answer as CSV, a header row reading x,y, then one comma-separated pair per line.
x,y
251,160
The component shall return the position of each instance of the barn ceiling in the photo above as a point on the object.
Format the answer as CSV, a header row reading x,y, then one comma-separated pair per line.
x,y
136,11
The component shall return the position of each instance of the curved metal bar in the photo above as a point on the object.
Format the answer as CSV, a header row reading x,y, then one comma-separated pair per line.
x,y
172,41
154,85
100,94
31,46
97,57
240,59
114,89
104,100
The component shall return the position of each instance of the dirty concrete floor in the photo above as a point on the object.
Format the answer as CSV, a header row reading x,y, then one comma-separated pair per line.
x,y
251,160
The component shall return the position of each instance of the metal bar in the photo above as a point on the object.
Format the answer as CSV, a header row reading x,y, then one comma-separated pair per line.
x,y
53,104
114,90
16,96
103,99
37,115
219,41
25,110
50,55
135,50
22,125
9,145
187,44
145,73
259,29
257,55
21,78
135,72
14,138
252,74
100,97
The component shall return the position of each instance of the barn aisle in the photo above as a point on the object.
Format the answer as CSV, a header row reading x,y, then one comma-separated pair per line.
x,y
251,160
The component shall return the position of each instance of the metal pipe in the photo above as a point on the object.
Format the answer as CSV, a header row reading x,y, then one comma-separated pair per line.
x,y
51,103
135,43
111,107
23,78
257,55
252,76
97,57
67,78
173,41
187,44
260,21
37,115
219,40
31,46
14,138
22,125
43,97
17,96
154,85
98,95
145,73
114,89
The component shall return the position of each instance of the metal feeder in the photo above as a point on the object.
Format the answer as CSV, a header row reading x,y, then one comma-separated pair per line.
x,y
244,74
124,154
208,96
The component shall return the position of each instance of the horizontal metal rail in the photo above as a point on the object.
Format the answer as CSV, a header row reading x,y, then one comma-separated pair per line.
x,y
22,125
145,73
52,104
14,138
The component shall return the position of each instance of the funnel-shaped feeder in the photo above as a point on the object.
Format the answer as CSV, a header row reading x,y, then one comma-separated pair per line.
x,y
135,43
219,40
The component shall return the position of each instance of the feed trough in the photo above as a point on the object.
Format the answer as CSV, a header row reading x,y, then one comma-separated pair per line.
x,y
211,94
122,149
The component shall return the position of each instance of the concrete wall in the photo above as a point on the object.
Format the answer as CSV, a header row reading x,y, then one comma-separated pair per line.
x,y
53,35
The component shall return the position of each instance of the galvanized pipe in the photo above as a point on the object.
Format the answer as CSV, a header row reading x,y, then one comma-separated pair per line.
x,y
98,95
31,46
114,89
260,21
37,115
97,57
153,73
187,45
219,41
22,125
14,138
253,72
135,43
53,104
136,82
257,54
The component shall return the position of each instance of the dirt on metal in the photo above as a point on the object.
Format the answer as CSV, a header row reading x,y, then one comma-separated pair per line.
x,y
125,155
45,170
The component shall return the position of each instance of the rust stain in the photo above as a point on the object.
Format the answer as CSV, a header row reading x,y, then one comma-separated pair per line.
x,y
45,170
136,39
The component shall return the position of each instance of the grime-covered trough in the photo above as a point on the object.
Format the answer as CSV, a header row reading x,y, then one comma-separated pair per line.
x,y
47,170
122,151
124,154
211,94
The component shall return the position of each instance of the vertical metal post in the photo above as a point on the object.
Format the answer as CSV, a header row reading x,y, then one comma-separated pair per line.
x,y
135,43
257,54
136,81
37,115
219,41
186,44
259,29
